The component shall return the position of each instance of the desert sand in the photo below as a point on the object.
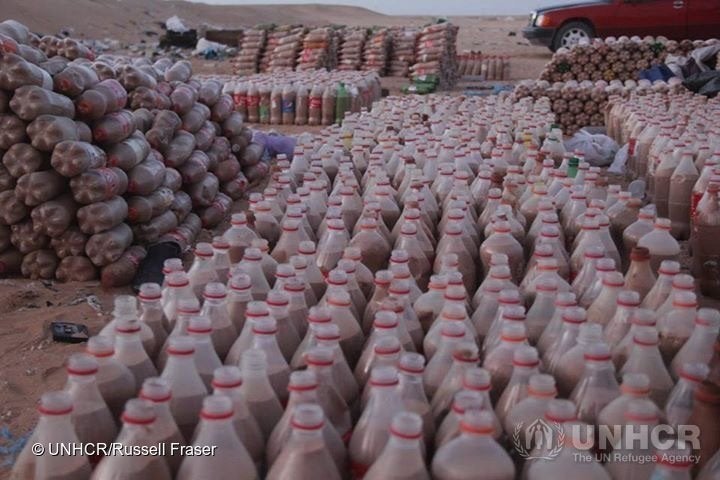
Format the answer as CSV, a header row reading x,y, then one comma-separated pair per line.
x,y
30,362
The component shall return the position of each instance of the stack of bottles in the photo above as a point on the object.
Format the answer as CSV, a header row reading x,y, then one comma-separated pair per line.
x,y
487,67
404,298
674,144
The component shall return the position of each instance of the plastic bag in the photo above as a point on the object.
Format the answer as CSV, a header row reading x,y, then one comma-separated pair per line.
x,y
620,160
599,150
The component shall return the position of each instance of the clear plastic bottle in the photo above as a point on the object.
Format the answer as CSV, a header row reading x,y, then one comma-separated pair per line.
x,y
157,391
604,306
264,338
202,270
404,454
542,309
251,264
139,430
640,276
261,399
660,291
645,358
114,380
238,297
619,324
320,361
216,429
303,391
188,389
239,236
526,363
306,455
597,387
573,319
54,426
129,349
178,287
603,267
660,243
371,432
699,348
221,257
206,359
540,391
501,241
642,226
641,415
679,406
91,417
634,386
125,307
412,391
680,195
339,305
676,326
474,454
563,301
464,401
498,361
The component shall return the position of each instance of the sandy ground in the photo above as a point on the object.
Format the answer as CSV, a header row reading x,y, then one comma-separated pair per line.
x,y
30,362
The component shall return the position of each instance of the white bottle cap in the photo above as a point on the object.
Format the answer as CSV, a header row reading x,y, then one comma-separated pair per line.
x,y
339,298
605,265
264,326
383,277
229,376
669,267
203,250
181,345
320,357
277,298
387,346
637,383
683,281
308,416
253,360
454,312
684,299
514,313
217,407
399,287
176,280
257,309
385,319
172,265
597,352
81,364
383,376
477,422
411,362
285,270
407,425
260,243
565,299
541,384
641,410
509,297
560,411
127,326
55,403
156,389
220,243
199,326
513,332
455,293
708,317
240,281
336,277
525,356
139,412
188,306
101,346
215,291
497,259
575,315
319,315
149,292
252,254
303,380
125,306
628,298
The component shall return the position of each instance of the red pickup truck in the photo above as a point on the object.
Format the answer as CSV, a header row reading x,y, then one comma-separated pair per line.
x,y
567,25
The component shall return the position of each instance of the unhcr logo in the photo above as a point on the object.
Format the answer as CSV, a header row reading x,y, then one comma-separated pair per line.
x,y
540,440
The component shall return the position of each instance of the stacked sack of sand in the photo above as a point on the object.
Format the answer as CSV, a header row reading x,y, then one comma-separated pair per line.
x,y
350,56
436,54
402,56
250,49
377,51
283,46
315,53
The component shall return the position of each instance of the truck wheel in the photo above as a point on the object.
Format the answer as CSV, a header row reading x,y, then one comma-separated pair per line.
x,y
571,34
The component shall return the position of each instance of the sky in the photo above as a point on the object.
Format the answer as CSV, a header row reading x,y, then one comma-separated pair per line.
x,y
424,7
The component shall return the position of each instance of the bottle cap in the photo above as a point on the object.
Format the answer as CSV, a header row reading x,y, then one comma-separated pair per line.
x,y
684,299
172,265
498,259
204,250
683,281
126,305
139,412
454,312
257,309
708,317
387,346
150,292
385,319
560,411
597,352
476,379
635,384
303,381
298,263
294,285
156,389
669,267
605,265
253,360
181,346
695,372
337,277
308,416
382,376
466,352
514,313
240,282
326,332
101,346
199,326
215,291
411,362
319,315
353,253
509,297
284,270
513,332
541,385
399,256
565,299
477,422
127,326
525,356
217,407
252,254
383,277
399,287
663,224
277,298
455,293
188,306
465,400
449,260
55,403
338,298
229,376
238,219
81,364
306,247
320,357
220,243
643,316
645,336
264,326
574,315
407,425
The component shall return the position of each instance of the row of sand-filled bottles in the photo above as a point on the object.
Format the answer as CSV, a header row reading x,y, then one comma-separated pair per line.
x,y
393,290
674,143
304,102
